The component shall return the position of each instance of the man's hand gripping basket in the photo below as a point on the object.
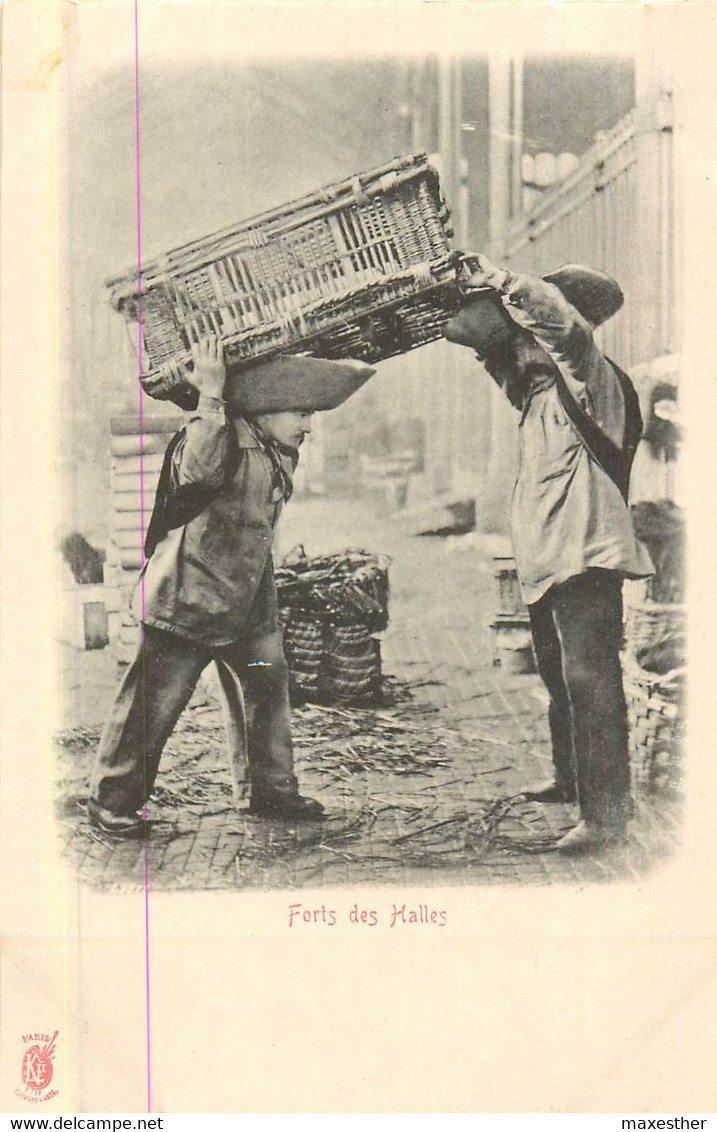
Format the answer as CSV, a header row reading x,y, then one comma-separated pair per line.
x,y
359,269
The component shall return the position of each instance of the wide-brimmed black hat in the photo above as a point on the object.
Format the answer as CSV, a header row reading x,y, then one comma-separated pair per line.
x,y
295,384
483,323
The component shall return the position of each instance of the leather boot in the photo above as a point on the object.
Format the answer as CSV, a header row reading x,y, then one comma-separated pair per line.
x,y
285,806
549,791
118,825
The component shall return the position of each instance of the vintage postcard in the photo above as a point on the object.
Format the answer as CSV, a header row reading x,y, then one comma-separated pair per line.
x,y
357,607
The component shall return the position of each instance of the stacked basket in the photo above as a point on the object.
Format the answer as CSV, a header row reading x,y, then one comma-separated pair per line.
x,y
332,607
361,268
654,684
656,716
655,654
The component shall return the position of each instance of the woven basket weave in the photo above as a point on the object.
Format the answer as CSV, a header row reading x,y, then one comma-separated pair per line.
x,y
362,268
649,622
331,662
655,634
345,589
331,607
656,716
304,648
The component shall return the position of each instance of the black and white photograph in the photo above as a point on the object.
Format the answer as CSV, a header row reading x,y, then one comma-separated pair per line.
x,y
437,325
366,532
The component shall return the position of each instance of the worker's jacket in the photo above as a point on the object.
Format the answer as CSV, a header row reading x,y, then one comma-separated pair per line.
x,y
209,542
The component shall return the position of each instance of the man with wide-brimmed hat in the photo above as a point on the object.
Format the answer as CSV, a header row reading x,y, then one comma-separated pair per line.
x,y
572,535
208,593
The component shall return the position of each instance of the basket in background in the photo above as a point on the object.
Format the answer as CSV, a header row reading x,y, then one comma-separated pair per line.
x,y
304,649
655,705
331,607
655,635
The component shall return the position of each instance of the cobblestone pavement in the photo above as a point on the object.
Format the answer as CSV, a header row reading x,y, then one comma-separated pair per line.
x,y
421,790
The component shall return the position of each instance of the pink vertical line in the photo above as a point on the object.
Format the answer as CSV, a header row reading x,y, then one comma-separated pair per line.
x,y
143,604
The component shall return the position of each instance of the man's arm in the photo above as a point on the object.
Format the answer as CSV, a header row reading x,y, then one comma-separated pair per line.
x,y
201,456
542,309
567,338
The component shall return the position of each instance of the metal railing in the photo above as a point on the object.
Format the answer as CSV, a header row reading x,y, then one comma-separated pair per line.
x,y
616,211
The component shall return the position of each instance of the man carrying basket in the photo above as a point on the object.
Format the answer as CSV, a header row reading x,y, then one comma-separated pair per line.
x,y
208,592
572,533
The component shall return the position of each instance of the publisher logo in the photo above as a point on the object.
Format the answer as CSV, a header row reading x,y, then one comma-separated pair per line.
x,y
37,1067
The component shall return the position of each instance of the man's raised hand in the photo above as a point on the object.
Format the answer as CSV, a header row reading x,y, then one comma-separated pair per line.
x,y
209,372
487,275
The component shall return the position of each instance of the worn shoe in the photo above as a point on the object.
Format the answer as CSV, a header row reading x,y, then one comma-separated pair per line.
x,y
549,791
288,807
590,838
119,825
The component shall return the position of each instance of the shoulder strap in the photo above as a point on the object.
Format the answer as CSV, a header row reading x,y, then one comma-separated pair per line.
x,y
615,462
158,528
633,416
174,507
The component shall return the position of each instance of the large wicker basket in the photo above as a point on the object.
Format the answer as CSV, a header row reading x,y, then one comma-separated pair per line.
x,y
361,269
656,716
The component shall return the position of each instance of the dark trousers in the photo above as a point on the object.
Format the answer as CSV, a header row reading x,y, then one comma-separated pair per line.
x,y
577,635
157,687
